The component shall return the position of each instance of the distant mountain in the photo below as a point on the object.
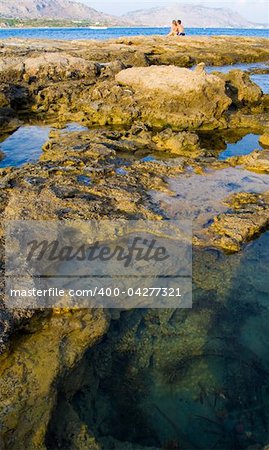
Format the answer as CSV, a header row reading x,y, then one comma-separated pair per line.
x,y
53,9
191,16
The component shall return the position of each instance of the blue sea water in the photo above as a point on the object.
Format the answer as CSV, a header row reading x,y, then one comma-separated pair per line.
x,y
244,146
110,33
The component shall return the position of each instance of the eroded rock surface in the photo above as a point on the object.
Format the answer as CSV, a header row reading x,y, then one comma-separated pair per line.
x,y
241,89
47,67
28,386
247,218
78,80
108,173
176,97
255,161
264,140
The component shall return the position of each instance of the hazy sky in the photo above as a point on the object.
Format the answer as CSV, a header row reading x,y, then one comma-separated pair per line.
x,y
254,10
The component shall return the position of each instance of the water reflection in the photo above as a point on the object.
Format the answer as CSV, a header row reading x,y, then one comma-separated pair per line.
x,y
243,146
24,145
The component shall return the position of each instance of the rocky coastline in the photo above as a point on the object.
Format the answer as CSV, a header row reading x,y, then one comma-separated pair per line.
x,y
151,113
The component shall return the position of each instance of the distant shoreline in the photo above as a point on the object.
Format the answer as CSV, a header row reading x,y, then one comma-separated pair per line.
x,y
127,27
90,33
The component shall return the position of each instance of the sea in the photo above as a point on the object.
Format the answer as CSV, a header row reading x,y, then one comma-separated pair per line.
x,y
112,33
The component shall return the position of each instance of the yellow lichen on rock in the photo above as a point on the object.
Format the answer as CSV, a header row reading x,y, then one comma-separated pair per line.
x,y
28,382
264,140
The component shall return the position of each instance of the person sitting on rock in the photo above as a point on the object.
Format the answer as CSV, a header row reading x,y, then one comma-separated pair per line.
x,y
174,28
180,29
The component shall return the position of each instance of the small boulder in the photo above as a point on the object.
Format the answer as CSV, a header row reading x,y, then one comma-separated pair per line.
x,y
177,143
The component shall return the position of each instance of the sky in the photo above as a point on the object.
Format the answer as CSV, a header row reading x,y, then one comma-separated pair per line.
x,y
253,10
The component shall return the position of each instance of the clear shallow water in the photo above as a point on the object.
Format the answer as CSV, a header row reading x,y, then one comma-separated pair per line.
x,y
86,33
25,144
200,197
193,379
244,146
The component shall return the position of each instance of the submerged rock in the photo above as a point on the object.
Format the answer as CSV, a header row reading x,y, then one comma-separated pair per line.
x,y
28,382
247,218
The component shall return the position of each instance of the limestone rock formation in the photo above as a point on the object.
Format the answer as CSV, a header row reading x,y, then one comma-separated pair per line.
x,y
28,389
183,143
241,89
256,161
49,66
8,120
110,173
248,217
176,97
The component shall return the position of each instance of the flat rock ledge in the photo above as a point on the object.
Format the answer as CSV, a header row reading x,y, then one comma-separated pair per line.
x,y
247,218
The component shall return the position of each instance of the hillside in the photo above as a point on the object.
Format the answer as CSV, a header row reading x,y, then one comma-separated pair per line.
x,y
53,9
67,10
191,15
